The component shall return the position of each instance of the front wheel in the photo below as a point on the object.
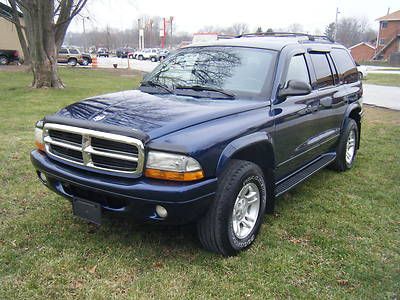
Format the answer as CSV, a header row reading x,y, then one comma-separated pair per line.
x,y
3,60
72,62
153,59
85,62
236,214
347,148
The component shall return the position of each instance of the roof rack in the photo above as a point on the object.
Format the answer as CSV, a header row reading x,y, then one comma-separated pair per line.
x,y
309,37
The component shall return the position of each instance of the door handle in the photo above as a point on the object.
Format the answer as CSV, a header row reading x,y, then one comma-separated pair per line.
x,y
326,102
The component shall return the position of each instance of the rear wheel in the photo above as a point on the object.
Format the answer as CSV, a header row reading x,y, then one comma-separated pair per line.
x,y
235,216
3,60
347,148
85,61
140,57
360,75
153,59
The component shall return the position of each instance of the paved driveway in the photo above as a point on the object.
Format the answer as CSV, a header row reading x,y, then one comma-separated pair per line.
x,y
383,96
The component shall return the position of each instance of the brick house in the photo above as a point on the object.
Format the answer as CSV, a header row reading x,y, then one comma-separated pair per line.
x,y
388,41
362,51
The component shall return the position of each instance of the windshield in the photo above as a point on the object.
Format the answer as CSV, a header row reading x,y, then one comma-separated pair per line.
x,y
244,72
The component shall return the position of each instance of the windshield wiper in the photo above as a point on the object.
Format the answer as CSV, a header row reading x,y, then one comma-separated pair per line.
x,y
153,83
206,88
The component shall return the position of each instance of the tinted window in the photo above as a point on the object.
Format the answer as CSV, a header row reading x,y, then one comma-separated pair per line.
x,y
298,69
73,51
244,71
322,69
347,69
63,51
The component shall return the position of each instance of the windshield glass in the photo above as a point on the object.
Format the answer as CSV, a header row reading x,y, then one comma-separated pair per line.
x,y
245,72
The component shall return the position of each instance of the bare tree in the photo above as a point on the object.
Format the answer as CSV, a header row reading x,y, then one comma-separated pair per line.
x,y
351,31
240,28
295,27
43,32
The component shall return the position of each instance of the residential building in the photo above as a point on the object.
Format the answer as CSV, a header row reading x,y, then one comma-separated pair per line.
x,y
388,41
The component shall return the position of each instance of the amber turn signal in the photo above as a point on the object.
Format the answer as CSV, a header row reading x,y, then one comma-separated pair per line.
x,y
39,146
175,176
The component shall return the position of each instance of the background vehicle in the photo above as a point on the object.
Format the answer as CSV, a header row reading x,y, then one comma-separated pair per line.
x,y
123,52
71,56
162,54
8,56
214,135
102,52
86,59
151,53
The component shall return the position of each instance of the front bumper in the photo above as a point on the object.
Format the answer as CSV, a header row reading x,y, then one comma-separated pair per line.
x,y
137,198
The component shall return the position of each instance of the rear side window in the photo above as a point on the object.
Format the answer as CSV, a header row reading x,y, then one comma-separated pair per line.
x,y
322,69
298,70
63,51
347,69
73,51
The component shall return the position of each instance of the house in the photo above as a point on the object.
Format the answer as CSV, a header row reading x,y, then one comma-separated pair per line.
x,y
362,51
388,41
9,38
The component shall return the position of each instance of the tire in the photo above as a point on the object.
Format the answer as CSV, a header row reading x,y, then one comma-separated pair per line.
x,y
216,228
3,60
153,59
140,57
347,144
360,75
72,62
85,62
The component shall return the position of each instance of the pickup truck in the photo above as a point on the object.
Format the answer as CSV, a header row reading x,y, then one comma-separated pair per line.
x,y
213,136
8,56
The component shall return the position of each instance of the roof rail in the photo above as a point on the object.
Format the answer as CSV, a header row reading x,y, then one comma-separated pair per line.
x,y
310,37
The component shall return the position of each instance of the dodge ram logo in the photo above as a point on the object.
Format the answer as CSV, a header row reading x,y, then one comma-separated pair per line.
x,y
99,118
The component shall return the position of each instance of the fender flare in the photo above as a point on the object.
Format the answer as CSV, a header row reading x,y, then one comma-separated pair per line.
x,y
350,108
241,143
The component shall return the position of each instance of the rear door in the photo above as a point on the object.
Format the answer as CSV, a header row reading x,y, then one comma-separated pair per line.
x,y
63,55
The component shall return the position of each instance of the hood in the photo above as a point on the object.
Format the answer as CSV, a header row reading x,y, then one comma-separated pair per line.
x,y
152,115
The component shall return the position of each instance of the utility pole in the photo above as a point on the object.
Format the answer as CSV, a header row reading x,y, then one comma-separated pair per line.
x,y
336,21
84,33
171,19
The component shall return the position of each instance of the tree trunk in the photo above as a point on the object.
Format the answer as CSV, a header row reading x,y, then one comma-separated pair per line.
x,y
40,31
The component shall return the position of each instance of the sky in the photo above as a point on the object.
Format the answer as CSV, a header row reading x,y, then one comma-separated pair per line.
x,y
191,16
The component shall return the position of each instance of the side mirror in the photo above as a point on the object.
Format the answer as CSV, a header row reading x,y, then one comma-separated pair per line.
x,y
295,88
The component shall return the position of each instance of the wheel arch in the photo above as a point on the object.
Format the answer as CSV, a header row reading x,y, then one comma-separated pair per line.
x,y
354,112
257,148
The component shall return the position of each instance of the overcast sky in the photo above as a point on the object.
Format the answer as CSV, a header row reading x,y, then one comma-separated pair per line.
x,y
191,15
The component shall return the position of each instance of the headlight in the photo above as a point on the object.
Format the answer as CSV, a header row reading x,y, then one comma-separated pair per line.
x,y
39,135
169,166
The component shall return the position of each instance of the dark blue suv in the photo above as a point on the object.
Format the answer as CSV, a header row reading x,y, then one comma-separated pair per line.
x,y
213,135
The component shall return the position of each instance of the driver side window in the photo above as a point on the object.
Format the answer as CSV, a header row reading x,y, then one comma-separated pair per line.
x,y
298,70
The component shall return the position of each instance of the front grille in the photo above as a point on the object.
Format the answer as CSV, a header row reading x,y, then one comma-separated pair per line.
x,y
94,149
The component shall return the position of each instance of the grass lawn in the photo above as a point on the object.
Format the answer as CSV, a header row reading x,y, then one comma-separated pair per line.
x,y
383,79
335,236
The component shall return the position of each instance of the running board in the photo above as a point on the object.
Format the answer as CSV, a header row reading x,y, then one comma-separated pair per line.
x,y
291,181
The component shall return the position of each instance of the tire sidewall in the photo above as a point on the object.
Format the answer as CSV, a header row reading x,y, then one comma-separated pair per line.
x,y
248,177
350,126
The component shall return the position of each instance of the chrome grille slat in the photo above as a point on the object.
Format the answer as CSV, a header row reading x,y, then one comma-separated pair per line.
x,y
116,161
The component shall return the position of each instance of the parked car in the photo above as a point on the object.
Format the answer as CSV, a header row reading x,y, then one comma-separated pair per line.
x,y
71,56
213,135
103,52
8,56
123,52
362,71
162,54
151,53
86,59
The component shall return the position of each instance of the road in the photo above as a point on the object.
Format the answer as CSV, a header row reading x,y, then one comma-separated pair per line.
x,y
383,96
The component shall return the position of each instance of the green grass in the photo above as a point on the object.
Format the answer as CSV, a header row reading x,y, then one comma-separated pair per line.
x,y
335,236
383,79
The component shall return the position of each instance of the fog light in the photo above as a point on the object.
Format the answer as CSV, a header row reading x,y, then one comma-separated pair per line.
x,y
42,177
161,211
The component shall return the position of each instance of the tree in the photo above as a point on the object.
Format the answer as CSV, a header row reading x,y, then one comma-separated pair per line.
x,y
351,31
259,30
45,25
330,30
240,28
295,28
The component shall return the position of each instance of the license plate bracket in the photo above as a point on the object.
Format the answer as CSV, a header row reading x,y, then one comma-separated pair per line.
x,y
87,210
